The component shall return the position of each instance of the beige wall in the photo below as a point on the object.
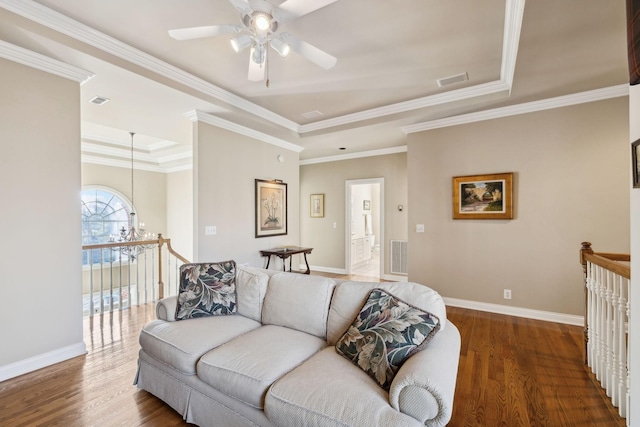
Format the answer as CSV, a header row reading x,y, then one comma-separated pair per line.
x,y
571,182
40,263
329,178
226,165
180,212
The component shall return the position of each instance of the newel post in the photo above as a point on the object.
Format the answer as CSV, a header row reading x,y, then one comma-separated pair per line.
x,y
585,249
161,241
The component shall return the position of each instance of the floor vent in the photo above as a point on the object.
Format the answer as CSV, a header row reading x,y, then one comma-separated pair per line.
x,y
399,257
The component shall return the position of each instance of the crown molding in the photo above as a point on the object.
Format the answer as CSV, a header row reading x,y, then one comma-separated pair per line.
x,y
359,155
414,104
513,16
85,158
212,120
88,147
528,107
43,63
36,12
72,28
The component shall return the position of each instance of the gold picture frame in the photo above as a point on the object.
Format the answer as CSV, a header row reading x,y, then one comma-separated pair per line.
x,y
316,206
483,196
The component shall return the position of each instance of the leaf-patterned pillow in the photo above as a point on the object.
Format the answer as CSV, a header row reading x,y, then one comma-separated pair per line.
x,y
384,334
206,289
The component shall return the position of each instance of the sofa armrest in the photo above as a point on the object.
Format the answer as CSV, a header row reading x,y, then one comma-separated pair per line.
x,y
166,308
425,384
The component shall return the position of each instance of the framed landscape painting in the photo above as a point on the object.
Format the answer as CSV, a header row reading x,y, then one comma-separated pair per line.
x,y
483,196
271,208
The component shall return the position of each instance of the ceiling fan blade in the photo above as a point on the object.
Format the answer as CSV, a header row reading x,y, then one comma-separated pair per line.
x,y
200,32
256,70
310,52
292,9
241,5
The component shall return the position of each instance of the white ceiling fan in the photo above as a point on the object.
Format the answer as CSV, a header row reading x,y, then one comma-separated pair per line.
x,y
259,30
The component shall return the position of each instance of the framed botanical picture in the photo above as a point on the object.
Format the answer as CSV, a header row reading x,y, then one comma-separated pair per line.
x,y
316,209
483,196
635,163
366,205
271,208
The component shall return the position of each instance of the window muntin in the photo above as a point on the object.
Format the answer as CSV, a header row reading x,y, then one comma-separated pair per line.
x,y
104,213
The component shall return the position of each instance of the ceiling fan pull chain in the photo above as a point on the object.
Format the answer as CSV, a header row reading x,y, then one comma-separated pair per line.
x,y
266,63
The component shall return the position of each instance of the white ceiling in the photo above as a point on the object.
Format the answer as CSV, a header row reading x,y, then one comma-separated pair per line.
x,y
390,54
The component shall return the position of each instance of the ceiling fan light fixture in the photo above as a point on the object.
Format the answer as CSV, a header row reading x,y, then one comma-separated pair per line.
x,y
261,21
280,46
241,42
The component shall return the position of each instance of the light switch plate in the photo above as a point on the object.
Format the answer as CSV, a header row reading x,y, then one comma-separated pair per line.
x,y
210,230
419,228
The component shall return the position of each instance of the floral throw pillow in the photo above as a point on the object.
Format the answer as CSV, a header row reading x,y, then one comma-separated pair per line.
x,y
384,334
206,289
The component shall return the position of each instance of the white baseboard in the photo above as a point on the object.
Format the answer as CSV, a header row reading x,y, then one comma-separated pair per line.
x,y
303,267
391,277
568,319
395,278
41,361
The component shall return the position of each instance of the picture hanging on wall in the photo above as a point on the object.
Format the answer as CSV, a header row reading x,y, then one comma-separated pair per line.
x,y
635,163
316,209
271,208
483,196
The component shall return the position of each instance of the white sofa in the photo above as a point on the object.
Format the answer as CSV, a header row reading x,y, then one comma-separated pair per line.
x,y
274,362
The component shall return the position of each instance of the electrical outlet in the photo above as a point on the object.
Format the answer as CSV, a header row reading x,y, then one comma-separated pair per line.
x,y
507,294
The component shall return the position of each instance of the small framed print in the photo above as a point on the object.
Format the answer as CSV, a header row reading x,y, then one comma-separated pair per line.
x,y
316,208
635,163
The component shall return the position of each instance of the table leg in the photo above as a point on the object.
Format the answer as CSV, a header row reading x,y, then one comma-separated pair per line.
x,y
306,262
268,260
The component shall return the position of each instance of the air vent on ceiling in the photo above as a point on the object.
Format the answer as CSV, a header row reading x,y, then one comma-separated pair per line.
x,y
99,100
312,114
445,81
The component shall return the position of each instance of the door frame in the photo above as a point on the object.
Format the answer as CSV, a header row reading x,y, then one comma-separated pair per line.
x,y
347,229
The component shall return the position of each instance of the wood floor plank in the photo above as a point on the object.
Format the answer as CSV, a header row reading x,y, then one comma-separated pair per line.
x,y
512,372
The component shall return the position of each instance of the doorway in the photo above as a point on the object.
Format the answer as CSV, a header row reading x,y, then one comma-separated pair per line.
x,y
364,231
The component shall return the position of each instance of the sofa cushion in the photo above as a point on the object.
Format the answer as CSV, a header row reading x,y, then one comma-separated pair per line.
x,y
328,390
245,367
181,344
299,302
386,332
251,287
206,289
349,297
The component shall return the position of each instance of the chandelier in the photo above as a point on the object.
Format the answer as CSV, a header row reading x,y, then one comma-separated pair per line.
x,y
130,234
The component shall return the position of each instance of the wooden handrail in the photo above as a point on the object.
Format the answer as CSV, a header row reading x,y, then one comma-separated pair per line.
x,y
610,261
161,241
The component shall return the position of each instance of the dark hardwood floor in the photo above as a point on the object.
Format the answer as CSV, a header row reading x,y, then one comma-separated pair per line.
x,y
513,372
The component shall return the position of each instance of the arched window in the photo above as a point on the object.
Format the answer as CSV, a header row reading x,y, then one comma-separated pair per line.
x,y
104,213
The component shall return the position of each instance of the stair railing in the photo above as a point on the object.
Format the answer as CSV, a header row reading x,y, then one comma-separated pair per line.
x,y
607,308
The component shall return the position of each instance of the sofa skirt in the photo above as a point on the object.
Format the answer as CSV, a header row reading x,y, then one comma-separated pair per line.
x,y
196,401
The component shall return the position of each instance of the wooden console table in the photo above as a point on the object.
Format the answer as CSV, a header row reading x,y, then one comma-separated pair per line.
x,y
284,253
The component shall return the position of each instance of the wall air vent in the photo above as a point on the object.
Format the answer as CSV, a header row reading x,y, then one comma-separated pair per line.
x,y
99,100
399,257
445,81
